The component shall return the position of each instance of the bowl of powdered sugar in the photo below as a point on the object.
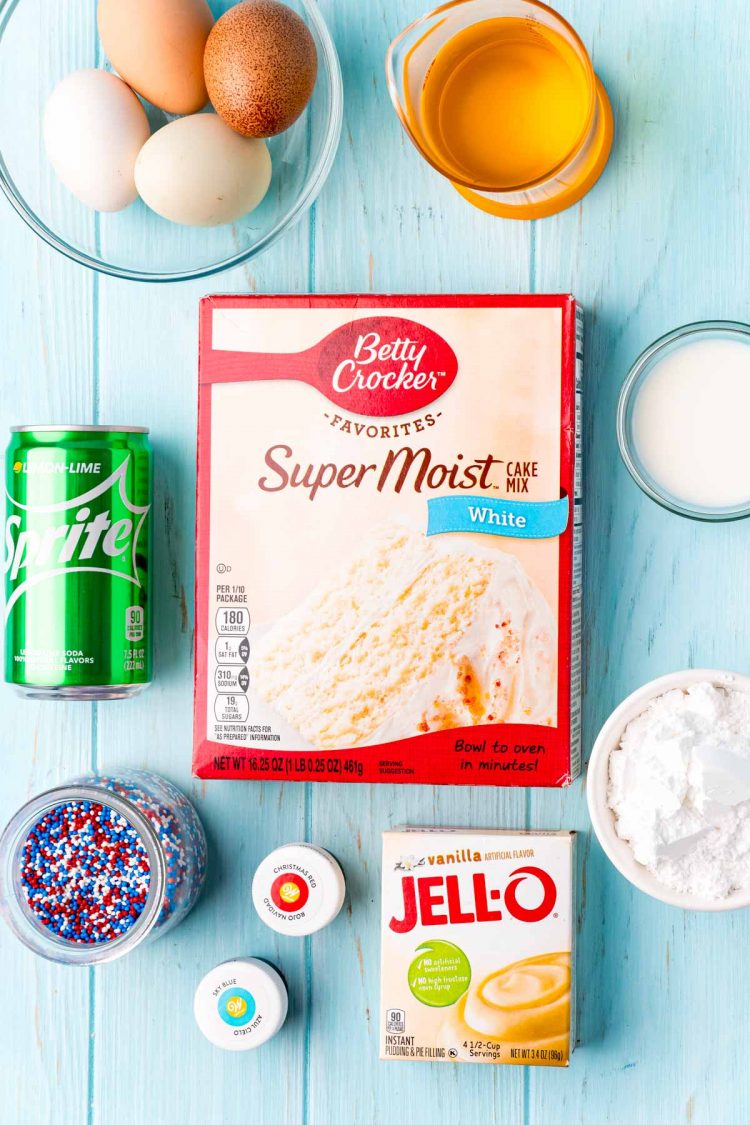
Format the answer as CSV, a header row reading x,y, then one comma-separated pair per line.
x,y
669,789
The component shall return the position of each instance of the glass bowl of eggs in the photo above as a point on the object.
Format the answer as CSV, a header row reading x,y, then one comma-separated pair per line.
x,y
165,140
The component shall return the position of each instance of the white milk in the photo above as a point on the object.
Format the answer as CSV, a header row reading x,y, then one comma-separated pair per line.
x,y
690,423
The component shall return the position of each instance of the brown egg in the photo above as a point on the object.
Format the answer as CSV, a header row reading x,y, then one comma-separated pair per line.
x,y
157,47
260,66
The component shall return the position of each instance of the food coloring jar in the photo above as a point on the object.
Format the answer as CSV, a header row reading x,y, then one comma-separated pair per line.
x,y
298,889
682,421
241,1004
500,97
93,868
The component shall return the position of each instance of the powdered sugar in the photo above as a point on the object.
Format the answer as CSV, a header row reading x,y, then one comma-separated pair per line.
x,y
679,786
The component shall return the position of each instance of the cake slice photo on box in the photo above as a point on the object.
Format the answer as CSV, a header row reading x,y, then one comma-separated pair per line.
x,y
389,531
420,634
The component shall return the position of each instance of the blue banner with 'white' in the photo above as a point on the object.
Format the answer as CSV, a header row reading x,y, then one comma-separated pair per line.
x,y
515,519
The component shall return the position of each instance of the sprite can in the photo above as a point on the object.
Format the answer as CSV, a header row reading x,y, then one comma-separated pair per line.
x,y
78,613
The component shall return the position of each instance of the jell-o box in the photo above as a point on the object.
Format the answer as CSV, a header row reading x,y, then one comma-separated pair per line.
x,y
477,946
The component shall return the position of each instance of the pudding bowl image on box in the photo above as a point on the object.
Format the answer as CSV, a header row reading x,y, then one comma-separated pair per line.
x,y
389,533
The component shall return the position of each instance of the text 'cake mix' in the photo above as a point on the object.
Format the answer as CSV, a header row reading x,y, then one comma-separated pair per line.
x,y
389,533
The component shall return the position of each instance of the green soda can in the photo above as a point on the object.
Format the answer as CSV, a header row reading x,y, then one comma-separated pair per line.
x,y
78,612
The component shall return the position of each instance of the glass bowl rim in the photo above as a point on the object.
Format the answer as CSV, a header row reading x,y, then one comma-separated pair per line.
x,y
314,182
626,401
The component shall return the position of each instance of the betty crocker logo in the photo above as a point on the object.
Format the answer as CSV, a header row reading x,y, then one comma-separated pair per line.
x,y
379,366
385,366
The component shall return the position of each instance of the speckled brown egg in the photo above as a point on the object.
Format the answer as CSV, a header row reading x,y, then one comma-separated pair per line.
x,y
260,66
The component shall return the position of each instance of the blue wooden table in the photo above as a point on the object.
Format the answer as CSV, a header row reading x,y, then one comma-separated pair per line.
x,y
663,1003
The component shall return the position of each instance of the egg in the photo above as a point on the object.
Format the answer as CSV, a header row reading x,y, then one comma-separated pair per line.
x,y
157,47
260,66
94,128
199,172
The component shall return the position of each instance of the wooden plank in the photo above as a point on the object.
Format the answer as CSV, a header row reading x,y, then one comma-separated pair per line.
x,y
388,223
660,242
147,362
46,377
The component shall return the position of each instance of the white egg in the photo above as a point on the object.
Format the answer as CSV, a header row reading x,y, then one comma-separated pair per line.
x,y
199,172
94,128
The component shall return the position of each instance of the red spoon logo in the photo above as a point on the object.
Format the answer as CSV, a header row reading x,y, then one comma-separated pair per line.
x,y
379,366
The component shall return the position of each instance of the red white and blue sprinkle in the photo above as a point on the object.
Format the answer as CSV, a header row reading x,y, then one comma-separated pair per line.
x,y
85,872
180,835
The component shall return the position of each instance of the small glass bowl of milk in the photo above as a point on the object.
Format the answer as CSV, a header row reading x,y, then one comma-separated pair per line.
x,y
683,421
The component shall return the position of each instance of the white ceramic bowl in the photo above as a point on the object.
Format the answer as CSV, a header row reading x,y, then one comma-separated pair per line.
x,y
597,779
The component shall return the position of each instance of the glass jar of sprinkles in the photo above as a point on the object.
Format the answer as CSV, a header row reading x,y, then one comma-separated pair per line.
x,y
91,869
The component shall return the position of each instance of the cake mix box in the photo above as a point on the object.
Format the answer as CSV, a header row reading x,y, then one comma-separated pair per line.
x,y
478,946
388,539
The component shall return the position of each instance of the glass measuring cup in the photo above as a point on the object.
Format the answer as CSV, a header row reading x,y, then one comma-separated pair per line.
x,y
556,155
